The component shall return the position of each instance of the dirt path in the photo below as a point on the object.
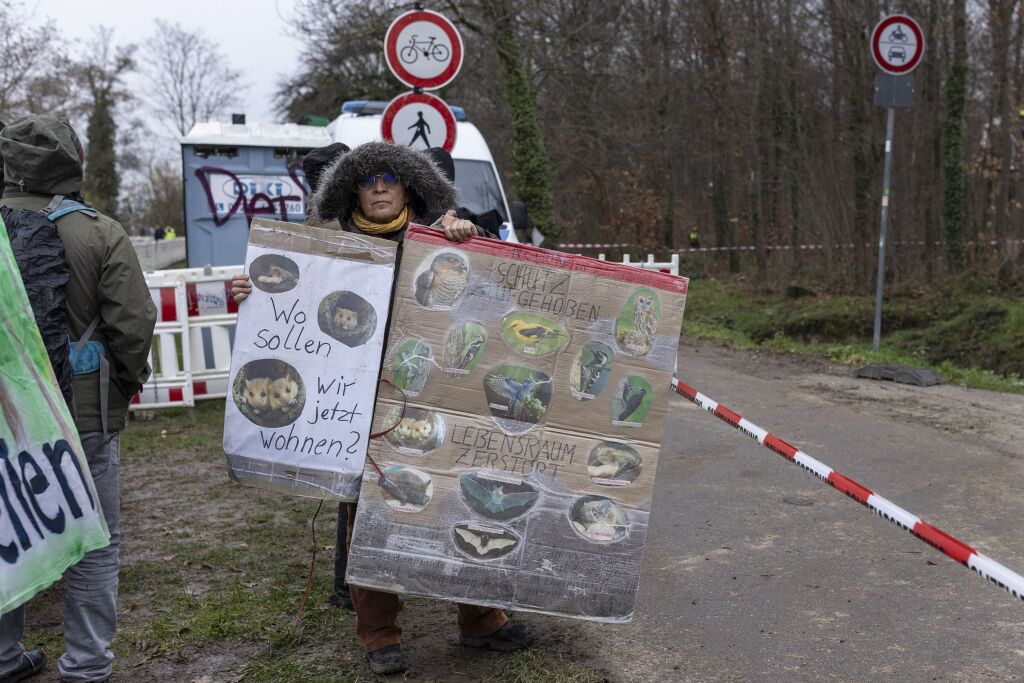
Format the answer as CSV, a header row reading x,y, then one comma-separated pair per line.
x,y
754,570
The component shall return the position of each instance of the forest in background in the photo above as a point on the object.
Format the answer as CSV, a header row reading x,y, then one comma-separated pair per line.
x,y
749,120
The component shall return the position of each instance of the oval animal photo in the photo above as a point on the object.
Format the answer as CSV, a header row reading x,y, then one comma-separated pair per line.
x,y
599,519
590,370
463,348
347,317
518,397
441,279
274,273
482,542
637,324
532,334
406,489
269,392
410,365
494,498
631,401
417,431
614,464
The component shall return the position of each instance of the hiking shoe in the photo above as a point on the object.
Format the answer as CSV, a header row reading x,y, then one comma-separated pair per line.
x,y
506,639
341,598
32,662
387,660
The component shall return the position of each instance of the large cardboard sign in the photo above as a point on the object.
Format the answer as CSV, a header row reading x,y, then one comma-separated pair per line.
x,y
520,467
49,512
306,358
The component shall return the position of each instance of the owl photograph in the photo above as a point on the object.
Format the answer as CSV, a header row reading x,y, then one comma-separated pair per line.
x,y
441,280
637,324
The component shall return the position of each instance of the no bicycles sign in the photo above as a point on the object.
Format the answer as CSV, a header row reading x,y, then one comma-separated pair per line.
x,y
897,44
423,49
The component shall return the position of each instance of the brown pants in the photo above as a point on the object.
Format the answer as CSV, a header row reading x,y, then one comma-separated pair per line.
x,y
377,612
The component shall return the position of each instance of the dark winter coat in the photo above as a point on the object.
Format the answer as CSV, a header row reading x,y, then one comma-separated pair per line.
x,y
430,193
41,156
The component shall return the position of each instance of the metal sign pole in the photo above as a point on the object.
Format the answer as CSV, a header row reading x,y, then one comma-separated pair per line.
x,y
886,177
897,44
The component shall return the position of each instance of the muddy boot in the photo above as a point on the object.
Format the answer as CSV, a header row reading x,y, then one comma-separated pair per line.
x,y
387,660
506,639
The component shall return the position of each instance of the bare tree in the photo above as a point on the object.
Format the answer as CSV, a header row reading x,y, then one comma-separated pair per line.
x,y
189,79
33,67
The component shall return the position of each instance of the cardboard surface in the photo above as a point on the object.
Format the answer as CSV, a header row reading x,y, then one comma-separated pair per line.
x,y
306,359
520,467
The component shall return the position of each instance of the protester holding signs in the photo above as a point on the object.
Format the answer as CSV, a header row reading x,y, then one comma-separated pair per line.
x,y
379,189
110,311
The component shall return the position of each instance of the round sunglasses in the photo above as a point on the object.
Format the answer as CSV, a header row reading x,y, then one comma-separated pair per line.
x,y
388,179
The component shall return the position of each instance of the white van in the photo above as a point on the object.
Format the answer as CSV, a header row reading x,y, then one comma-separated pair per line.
x,y
476,176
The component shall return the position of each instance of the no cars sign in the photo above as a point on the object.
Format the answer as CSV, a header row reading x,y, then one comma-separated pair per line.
x,y
897,44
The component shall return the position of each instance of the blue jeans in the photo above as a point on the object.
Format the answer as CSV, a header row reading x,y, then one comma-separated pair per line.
x,y
90,591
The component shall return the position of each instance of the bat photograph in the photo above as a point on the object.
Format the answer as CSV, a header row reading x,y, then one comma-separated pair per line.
x,y
599,519
406,489
496,499
479,542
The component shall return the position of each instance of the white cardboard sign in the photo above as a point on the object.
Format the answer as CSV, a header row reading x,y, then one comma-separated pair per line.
x,y
306,359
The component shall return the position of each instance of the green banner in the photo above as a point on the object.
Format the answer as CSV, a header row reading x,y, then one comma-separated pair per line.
x,y
49,513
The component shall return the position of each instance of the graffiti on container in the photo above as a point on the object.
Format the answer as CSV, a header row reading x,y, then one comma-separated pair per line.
x,y
252,195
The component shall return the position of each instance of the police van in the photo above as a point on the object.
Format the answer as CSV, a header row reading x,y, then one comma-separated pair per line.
x,y
476,176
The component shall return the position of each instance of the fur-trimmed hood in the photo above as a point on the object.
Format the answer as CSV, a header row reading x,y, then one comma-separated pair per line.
x,y
431,194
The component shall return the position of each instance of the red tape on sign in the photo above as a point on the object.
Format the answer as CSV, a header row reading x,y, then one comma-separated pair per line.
x,y
984,566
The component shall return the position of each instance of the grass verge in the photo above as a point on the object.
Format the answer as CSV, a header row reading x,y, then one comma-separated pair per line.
x,y
972,337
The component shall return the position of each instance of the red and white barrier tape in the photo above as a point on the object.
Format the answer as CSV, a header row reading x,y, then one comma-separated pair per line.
x,y
985,566
774,247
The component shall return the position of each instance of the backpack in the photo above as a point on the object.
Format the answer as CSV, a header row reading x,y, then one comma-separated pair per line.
x,y
39,253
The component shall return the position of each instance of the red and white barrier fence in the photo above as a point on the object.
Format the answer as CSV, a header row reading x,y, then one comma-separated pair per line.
x,y
196,316
986,567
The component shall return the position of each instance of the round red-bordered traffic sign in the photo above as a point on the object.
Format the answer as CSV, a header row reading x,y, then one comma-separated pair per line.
x,y
897,44
423,49
418,119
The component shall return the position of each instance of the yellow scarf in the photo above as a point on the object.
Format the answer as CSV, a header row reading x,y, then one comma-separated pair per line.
x,y
371,228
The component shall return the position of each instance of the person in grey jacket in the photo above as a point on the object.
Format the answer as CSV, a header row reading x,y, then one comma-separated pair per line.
x,y
42,158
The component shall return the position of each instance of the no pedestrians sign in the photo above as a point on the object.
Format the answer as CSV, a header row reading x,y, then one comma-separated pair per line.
x,y
897,44
419,120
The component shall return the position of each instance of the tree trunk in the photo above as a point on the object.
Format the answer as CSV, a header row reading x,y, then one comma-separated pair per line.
x,y
1000,23
531,174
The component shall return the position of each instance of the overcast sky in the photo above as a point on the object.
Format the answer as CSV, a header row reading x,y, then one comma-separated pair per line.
x,y
250,34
